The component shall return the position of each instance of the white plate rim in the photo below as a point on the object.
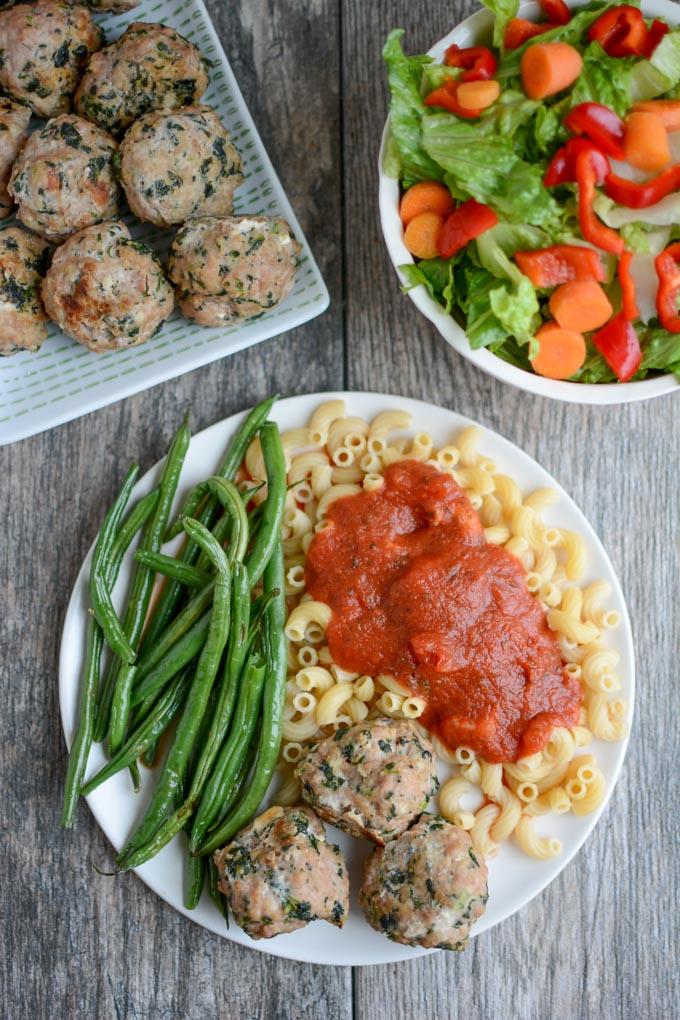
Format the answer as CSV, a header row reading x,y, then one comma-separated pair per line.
x,y
294,411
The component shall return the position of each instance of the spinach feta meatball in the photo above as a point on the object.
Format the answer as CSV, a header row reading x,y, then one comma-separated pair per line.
x,y
280,873
44,48
14,120
177,165
63,180
426,888
151,67
373,779
23,323
232,267
106,290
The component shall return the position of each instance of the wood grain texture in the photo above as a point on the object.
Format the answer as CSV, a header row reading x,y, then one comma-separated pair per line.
x,y
598,944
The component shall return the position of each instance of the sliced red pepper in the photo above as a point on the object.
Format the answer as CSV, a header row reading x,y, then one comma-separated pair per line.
x,y
561,263
562,167
620,31
641,196
478,62
658,29
601,125
446,97
618,344
464,224
556,11
667,266
518,30
592,228
629,305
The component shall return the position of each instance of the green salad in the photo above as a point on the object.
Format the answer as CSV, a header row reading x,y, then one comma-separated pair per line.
x,y
540,180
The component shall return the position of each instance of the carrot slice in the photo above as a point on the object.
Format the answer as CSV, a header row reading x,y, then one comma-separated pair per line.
x,y
646,141
422,234
548,68
427,196
561,352
477,95
581,306
667,109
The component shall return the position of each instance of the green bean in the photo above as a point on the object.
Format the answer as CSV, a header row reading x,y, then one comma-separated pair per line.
x,y
196,868
194,610
144,842
175,659
169,599
272,721
146,734
100,594
142,584
234,523
187,575
216,895
272,514
135,776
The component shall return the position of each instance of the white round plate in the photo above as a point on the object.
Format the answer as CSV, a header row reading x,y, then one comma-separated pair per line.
x,y
474,31
514,879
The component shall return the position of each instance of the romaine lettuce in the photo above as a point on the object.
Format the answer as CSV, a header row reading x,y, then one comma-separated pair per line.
x,y
661,73
406,157
504,11
604,79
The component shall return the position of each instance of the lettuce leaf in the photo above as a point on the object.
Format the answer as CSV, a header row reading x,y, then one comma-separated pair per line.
x,y
474,287
504,11
516,308
405,155
660,351
604,79
435,274
661,73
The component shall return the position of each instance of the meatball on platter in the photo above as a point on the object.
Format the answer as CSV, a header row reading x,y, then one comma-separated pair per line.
x,y
127,114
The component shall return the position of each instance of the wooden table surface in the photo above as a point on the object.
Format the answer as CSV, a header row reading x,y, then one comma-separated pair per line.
x,y
599,942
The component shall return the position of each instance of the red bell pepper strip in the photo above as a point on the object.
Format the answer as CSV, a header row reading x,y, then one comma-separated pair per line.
x,y
464,224
618,344
556,11
550,267
562,167
446,97
601,125
592,228
667,266
620,31
478,62
518,30
629,305
641,196
657,31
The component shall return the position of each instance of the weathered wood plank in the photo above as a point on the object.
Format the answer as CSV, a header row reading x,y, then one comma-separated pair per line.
x,y
589,946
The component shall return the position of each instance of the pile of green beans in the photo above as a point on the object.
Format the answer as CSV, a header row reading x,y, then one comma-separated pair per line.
x,y
205,667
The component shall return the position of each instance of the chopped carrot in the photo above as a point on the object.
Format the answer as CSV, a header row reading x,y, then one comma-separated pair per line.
x,y
580,305
427,196
561,352
477,95
422,234
646,141
667,109
548,68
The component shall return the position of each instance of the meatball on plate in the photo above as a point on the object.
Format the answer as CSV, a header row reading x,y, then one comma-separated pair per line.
x,y
23,323
14,120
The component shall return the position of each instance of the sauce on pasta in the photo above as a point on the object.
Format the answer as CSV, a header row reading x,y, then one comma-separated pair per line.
x,y
418,593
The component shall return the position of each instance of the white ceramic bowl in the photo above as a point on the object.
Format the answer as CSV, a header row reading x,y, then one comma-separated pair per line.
x,y
474,31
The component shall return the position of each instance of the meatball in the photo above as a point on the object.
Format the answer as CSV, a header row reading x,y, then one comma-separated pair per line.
x,y
14,120
63,180
177,165
151,67
373,779
23,323
426,888
106,290
280,873
44,48
232,267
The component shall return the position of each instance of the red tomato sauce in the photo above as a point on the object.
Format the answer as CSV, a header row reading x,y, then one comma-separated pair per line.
x,y
417,592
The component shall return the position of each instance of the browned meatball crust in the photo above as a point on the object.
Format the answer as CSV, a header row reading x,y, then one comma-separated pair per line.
x,y
279,874
106,290
373,779
44,48
177,165
23,323
63,179
232,267
14,120
151,67
426,888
